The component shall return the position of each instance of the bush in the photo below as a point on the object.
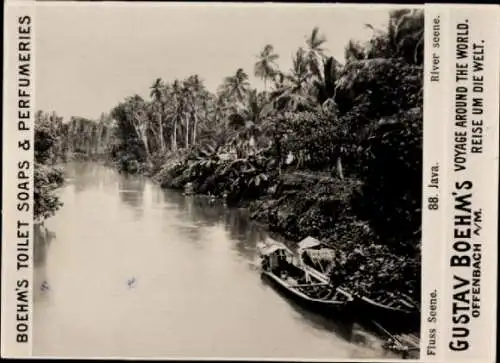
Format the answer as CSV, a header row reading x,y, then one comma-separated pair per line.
x,y
371,270
46,180
375,88
310,137
391,170
45,142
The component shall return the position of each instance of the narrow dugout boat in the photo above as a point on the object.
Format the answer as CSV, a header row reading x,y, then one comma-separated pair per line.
x,y
283,270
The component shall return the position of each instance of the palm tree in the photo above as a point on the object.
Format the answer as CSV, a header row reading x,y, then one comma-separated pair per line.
x,y
403,37
176,109
279,81
221,109
184,110
293,93
325,83
245,124
266,67
255,107
354,51
156,90
315,52
406,28
157,95
197,99
236,87
136,112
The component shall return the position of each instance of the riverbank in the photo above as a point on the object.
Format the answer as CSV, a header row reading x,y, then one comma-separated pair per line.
x,y
364,211
297,204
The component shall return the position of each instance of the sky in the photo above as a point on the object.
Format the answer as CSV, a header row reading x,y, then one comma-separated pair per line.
x,y
90,56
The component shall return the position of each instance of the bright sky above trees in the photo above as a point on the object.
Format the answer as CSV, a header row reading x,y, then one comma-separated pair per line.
x,y
90,56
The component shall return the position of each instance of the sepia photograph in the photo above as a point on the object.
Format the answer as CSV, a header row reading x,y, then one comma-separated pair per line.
x,y
227,181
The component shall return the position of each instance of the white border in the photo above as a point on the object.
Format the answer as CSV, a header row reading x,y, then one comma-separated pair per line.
x,y
437,103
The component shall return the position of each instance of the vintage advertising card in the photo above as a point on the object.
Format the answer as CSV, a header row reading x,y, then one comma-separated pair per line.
x,y
280,182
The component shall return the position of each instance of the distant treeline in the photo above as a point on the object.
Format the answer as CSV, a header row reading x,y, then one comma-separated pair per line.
x,y
58,140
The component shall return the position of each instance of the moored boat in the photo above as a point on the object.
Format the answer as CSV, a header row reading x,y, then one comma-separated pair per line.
x,y
283,270
312,253
397,309
317,257
396,312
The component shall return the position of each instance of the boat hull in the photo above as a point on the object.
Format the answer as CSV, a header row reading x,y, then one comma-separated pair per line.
x,y
393,319
326,308
370,310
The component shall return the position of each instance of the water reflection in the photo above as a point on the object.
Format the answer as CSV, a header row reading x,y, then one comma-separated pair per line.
x,y
43,239
181,278
204,210
245,233
83,176
192,232
203,213
131,191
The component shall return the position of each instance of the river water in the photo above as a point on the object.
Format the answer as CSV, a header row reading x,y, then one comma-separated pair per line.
x,y
126,269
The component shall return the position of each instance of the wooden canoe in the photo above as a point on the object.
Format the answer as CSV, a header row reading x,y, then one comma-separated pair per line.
x,y
288,276
324,300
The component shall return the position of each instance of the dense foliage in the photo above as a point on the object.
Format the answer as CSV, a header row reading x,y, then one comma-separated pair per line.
x,y
47,177
327,149
46,180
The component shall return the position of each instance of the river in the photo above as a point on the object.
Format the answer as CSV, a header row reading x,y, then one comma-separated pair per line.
x,y
127,269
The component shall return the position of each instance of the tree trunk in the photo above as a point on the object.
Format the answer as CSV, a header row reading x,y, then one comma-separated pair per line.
x,y
144,139
156,137
162,140
187,132
148,153
98,138
174,137
140,129
195,123
146,145
339,168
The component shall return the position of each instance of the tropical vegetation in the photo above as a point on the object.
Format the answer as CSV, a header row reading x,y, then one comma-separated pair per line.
x,y
47,177
329,148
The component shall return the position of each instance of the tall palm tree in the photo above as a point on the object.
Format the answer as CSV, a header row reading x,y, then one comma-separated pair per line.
x,y
196,98
266,67
236,87
315,51
184,110
175,110
293,93
138,116
156,90
403,37
324,86
157,94
406,28
245,124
